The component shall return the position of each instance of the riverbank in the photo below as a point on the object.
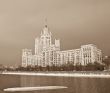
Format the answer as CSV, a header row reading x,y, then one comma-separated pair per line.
x,y
62,74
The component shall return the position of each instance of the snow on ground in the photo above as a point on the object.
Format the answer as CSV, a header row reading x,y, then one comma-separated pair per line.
x,y
33,88
89,75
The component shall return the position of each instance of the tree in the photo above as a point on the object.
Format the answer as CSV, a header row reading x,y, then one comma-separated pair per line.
x,y
106,61
98,66
78,67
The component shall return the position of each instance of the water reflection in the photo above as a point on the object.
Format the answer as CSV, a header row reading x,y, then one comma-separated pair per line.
x,y
75,85
29,81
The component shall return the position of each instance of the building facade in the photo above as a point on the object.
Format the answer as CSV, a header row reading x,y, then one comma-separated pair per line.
x,y
48,54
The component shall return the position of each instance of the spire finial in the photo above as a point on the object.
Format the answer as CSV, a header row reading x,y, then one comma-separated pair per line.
x,y
45,22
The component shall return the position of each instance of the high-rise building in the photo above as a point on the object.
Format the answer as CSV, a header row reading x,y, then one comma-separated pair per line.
x,y
45,51
48,54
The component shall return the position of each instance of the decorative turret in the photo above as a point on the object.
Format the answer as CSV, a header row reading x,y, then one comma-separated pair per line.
x,y
57,44
37,47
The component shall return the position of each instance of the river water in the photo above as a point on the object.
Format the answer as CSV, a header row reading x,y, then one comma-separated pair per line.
x,y
74,84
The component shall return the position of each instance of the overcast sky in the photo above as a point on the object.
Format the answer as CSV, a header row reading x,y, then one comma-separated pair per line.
x,y
74,22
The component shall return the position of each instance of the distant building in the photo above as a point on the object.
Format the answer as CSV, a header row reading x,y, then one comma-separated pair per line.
x,y
48,54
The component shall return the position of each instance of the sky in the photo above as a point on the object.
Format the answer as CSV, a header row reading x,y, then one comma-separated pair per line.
x,y
74,22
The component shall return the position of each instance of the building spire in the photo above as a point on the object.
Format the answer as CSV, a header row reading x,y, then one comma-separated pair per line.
x,y
45,29
46,22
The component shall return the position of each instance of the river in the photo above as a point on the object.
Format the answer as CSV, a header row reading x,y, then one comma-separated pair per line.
x,y
74,84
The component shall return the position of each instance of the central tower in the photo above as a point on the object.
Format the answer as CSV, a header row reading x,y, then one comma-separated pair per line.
x,y
44,42
45,37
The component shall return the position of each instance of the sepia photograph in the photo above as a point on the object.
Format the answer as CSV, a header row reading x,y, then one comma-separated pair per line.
x,y
54,46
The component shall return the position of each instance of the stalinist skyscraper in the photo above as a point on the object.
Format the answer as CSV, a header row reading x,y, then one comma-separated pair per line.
x,y
49,54
45,51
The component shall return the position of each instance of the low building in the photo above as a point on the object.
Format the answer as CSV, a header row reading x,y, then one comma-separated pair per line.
x,y
90,54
